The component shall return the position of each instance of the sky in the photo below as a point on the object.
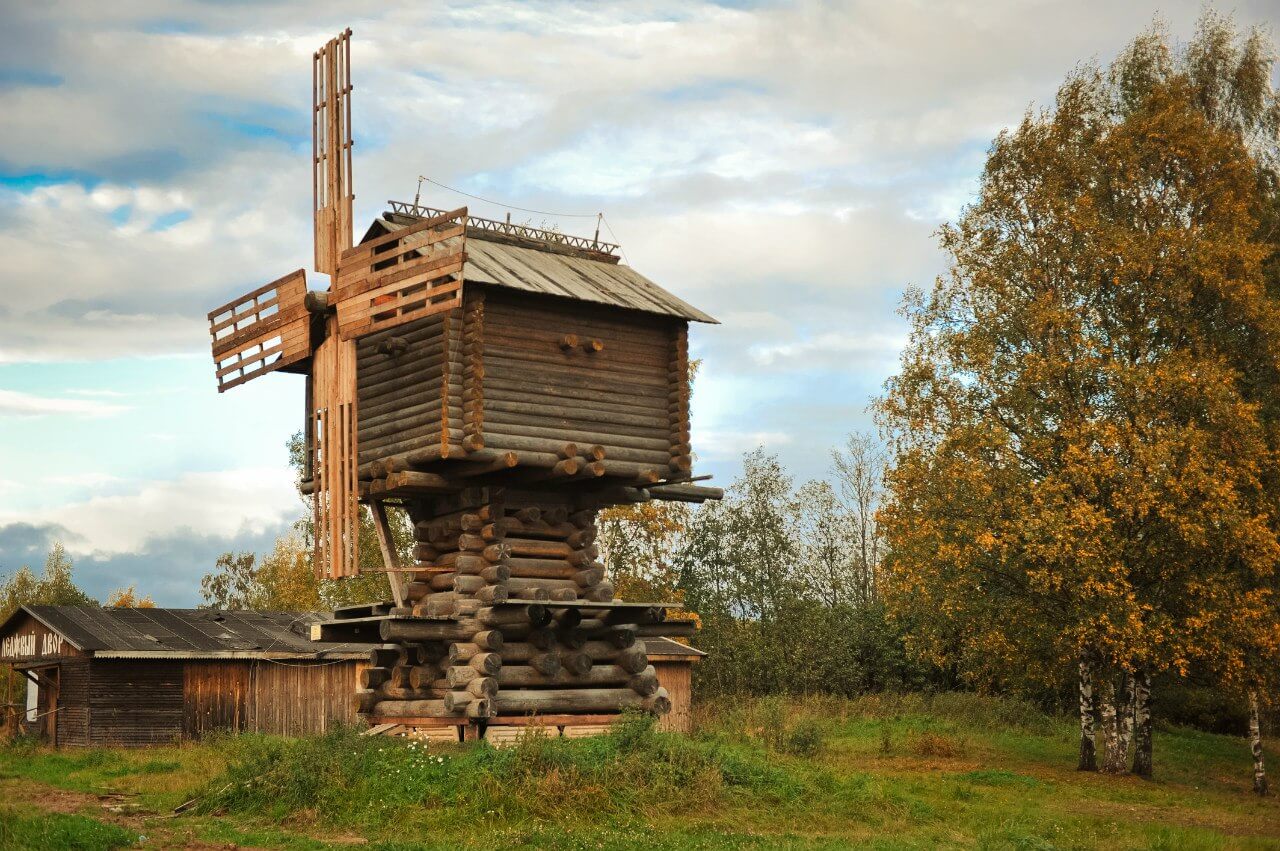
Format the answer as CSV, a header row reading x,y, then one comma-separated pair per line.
x,y
781,166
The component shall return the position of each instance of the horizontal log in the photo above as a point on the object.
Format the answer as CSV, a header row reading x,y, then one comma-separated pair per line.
x,y
534,594
604,651
486,663
371,678
364,700
576,662
523,676
496,573
567,700
422,676
520,583
492,594
385,657
457,701
645,683
497,429
602,593
409,709
532,552
581,410
541,568
539,636
525,531
401,630
534,614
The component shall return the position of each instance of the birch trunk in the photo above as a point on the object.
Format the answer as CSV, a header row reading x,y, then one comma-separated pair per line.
x,y
1142,765
1255,742
1106,697
1088,750
1120,731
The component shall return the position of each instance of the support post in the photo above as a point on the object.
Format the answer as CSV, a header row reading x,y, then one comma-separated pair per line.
x,y
390,559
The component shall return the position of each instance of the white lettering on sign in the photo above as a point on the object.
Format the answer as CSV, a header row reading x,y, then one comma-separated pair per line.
x,y
49,644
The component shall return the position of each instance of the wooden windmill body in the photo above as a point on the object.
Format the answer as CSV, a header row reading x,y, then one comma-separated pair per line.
x,y
501,384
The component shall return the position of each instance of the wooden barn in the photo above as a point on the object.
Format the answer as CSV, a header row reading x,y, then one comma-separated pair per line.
x,y
111,677
151,676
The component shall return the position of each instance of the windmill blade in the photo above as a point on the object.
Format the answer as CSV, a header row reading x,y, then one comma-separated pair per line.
x,y
261,331
401,276
331,150
335,456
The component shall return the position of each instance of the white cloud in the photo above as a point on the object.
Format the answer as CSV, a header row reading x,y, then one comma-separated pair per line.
x,y
718,445
224,504
15,404
830,345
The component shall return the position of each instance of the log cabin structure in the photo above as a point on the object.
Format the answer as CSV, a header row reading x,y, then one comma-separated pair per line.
x,y
92,677
500,384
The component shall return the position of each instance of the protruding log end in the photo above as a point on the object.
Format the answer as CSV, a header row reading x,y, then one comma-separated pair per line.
x,y
316,302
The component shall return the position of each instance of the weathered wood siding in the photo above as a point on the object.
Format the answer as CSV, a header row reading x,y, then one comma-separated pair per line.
x,y
536,388
215,697
73,702
399,396
134,702
302,698
676,676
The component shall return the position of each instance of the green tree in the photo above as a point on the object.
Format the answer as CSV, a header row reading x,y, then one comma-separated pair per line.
x,y
1082,453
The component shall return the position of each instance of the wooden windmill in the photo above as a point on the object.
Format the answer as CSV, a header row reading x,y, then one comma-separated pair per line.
x,y
502,418
280,326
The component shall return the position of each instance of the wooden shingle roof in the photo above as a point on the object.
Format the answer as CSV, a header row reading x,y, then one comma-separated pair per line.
x,y
550,269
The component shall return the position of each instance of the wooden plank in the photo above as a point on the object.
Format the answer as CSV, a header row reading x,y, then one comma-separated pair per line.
x,y
378,290
335,457
263,345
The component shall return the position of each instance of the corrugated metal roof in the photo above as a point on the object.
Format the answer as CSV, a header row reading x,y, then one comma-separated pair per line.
x,y
553,273
199,632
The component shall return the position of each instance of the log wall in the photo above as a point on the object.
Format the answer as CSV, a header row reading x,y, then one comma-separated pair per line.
x,y
400,373
559,371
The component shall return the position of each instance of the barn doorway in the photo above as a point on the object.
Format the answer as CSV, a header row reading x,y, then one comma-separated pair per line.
x,y
40,712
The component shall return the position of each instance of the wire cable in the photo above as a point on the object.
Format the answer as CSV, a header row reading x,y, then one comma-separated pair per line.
x,y
510,206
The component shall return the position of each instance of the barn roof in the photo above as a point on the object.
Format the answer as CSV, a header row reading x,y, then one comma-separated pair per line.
x,y
187,633
547,263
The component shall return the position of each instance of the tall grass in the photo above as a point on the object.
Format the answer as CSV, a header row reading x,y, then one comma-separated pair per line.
x,y
635,770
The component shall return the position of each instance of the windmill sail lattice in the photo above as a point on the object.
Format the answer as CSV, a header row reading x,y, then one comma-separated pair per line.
x,y
331,151
261,331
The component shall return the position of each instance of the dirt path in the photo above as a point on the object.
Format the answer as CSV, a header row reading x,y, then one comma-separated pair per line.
x,y
115,808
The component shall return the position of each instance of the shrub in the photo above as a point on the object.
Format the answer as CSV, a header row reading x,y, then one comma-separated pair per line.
x,y
930,744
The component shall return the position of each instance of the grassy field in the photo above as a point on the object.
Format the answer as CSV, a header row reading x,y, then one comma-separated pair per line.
x,y
888,772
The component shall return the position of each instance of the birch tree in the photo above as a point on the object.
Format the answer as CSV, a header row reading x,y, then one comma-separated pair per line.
x,y
1082,440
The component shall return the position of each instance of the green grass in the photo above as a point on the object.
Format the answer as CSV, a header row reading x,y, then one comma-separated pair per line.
x,y
883,771
29,829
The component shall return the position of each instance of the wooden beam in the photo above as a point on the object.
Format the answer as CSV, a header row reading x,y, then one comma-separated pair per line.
x,y
390,559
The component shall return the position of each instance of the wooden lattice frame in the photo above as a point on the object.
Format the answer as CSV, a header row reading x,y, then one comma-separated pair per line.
x,y
261,331
334,458
402,276
331,150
